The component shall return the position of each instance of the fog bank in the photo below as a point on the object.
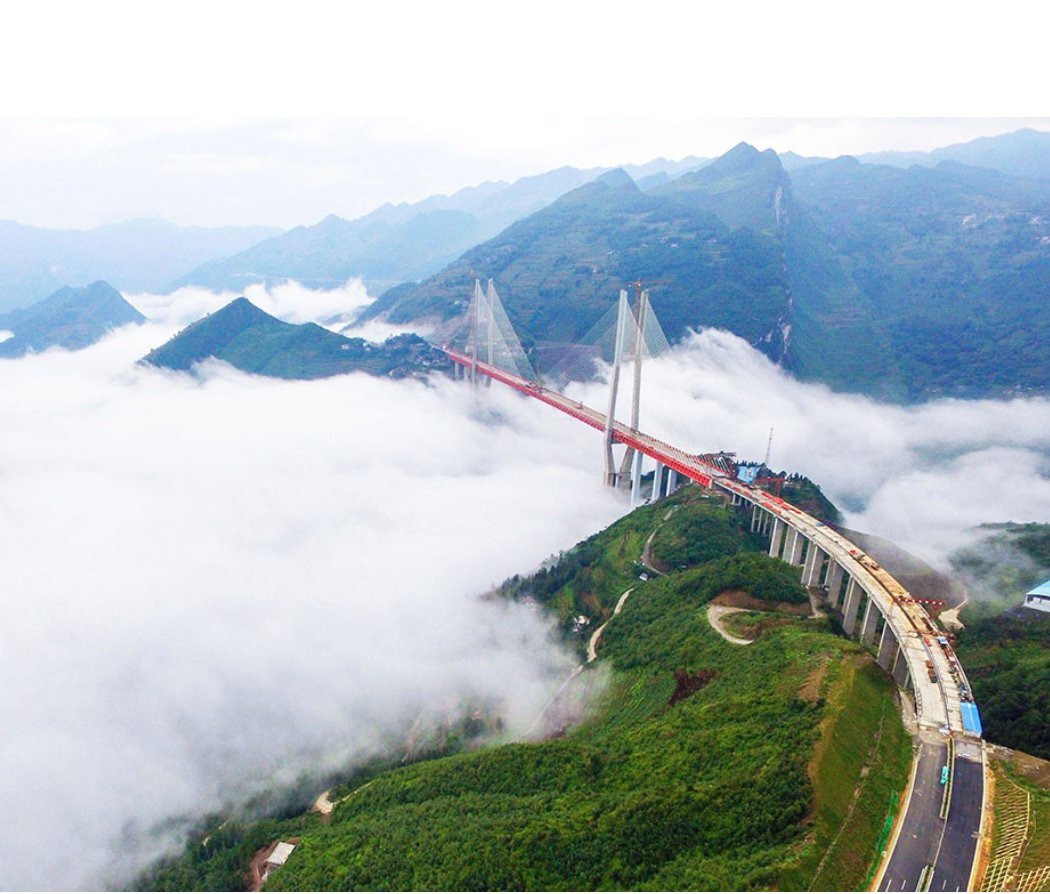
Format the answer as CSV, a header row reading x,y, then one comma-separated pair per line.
x,y
213,582
921,476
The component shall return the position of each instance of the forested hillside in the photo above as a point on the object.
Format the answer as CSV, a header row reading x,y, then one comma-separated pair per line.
x,y
904,284
704,765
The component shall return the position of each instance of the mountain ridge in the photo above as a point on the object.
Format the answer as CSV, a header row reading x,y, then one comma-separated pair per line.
x,y
253,341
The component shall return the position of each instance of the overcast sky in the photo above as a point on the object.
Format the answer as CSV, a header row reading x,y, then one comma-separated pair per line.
x,y
238,112
286,172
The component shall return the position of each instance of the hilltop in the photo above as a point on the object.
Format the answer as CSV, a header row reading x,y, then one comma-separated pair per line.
x,y
704,765
253,341
70,318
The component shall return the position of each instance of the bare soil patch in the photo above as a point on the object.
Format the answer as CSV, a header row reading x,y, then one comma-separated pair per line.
x,y
810,688
740,599
687,684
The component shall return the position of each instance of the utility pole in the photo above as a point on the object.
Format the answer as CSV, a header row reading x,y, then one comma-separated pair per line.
x,y
769,446
621,323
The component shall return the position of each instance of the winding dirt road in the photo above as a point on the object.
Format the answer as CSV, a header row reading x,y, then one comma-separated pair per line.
x,y
715,613
592,645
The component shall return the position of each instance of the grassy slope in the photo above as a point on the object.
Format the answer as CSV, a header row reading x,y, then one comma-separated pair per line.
x,y
742,785
1033,777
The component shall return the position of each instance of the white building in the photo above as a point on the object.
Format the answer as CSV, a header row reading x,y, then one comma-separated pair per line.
x,y
277,857
1039,598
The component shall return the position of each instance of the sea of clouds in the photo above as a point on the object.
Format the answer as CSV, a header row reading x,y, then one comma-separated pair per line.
x,y
214,581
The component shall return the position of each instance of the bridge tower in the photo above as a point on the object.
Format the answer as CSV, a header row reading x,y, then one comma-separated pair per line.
x,y
623,311
481,335
642,314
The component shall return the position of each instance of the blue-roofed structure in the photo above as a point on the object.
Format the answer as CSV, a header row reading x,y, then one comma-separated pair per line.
x,y
1039,598
971,719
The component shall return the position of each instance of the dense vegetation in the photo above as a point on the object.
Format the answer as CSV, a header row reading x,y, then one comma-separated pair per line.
x,y
1007,659
252,340
705,765
1005,649
70,318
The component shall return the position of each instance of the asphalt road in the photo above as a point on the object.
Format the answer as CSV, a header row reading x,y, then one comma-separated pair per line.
x,y
952,872
921,832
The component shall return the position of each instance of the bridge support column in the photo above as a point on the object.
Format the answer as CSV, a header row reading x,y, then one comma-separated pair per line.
x,y
672,481
850,606
658,482
901,673
814,568
756,517
833,582
776,541
887,649
870,623
636,480
793,554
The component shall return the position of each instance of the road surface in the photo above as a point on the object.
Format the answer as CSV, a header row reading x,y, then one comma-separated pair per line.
x,y
927,840
920,833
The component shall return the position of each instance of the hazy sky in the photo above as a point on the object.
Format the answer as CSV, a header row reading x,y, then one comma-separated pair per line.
x,y
286,172
243,112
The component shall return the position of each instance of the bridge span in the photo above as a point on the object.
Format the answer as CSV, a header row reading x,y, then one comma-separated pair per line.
x,y
935,844
871,602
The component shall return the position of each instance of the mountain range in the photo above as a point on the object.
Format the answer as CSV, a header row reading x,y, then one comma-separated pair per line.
x,y
135,256
903,284
403,242
70,318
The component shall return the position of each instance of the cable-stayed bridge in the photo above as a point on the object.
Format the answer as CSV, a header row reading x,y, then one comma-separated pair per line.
x,y
935,843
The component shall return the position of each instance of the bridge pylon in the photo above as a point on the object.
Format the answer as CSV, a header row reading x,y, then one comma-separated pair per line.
x,y
623,311
642,314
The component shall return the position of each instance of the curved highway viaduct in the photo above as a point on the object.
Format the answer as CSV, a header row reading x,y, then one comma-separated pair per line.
x,y
934,845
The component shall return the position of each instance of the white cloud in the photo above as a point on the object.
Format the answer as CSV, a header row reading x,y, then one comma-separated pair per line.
x,y
289,301
217,581
921,475
212,581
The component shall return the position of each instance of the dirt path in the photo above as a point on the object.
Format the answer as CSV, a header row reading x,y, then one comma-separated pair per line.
x,y
715,613
322,805
950,618
592,646
646,559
